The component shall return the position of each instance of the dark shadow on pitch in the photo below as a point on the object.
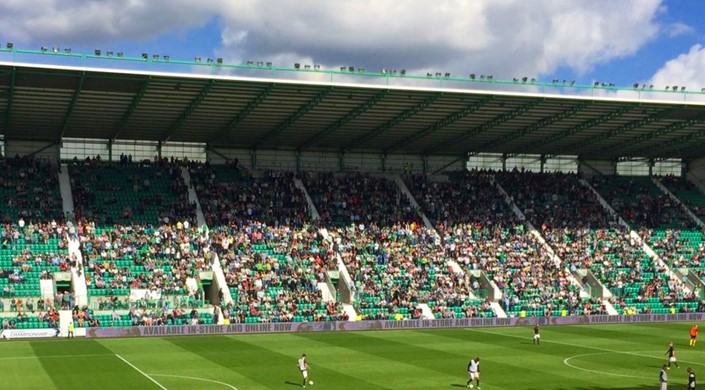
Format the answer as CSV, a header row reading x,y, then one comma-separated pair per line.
x,y
293,384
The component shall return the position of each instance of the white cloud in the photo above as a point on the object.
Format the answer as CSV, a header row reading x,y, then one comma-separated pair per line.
x,y
688,69
677,29
78,22
506,38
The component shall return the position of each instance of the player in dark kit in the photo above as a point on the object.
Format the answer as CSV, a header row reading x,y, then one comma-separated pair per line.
x,y
691,379
537,335
671,353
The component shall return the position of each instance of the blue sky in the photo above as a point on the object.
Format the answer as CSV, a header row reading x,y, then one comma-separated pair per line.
x,y
651,41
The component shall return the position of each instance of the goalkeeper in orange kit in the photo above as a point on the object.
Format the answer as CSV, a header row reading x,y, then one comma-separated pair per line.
x,y
693,335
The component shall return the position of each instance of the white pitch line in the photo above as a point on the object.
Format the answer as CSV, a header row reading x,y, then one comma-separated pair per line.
x,y
566,360
141,372
197,379
582,346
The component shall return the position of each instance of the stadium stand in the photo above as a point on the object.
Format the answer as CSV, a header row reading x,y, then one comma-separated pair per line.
x,y
143,251
129,193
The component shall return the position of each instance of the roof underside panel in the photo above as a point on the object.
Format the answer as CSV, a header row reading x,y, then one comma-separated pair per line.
x,y
42,103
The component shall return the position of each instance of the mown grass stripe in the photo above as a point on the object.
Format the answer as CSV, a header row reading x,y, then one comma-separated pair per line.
x,y
251,360
68,372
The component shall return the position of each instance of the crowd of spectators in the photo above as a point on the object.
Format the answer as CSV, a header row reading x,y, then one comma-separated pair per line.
x,y
274,255
687,193
159,258
273,272
125,192
481,232
641,203
230,195
359,198
29,189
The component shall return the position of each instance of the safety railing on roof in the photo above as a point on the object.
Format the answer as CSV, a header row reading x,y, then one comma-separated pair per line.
x,y
118,60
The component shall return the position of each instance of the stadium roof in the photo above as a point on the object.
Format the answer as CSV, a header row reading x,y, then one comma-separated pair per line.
x,y
50,103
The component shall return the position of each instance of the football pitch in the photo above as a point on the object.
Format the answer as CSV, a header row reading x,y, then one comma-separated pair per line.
x,y
580,357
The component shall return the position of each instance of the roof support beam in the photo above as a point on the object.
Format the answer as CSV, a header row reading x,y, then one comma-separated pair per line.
x,y
72,106
359,110
251,106
674,143
450,119
188,111
404,115
131,109
629,126
662,131
303,110
496,121
534,127
583,126
10,101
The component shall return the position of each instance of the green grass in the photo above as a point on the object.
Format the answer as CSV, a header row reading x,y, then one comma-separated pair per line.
x,y
597,357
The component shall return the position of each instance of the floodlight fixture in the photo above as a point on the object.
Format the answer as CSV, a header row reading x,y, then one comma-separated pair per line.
x,y
438,74
219,60
250,63
429,74
533,80
297,66
155,57
524,79
109,53
383,71
317,67
490,77
402,72
343,68
472,76
166,57
307,66
597,84
120,54
10,45
67,50
636,85
55,49
145,56
269,64
260,63
482,77
361,70
516,80
447,75
44,49
352,69
197,59
682,88
210,60
97,52
572,83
